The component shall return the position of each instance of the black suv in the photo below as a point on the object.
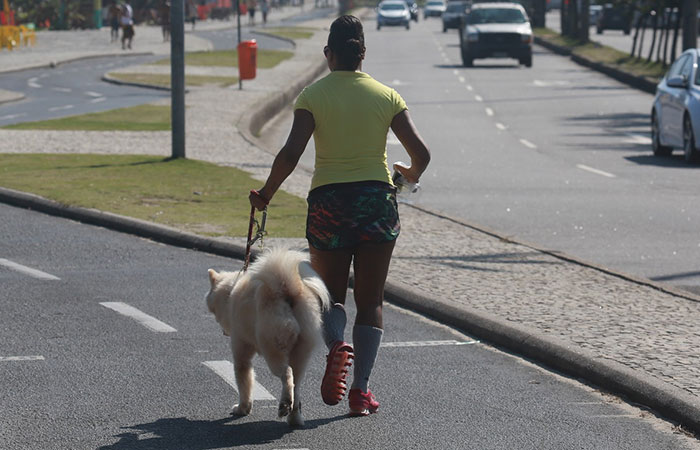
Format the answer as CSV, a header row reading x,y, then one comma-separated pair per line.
x,y
614,18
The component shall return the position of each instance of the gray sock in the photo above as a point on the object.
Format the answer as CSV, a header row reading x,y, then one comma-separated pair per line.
x,y
366,341
334,324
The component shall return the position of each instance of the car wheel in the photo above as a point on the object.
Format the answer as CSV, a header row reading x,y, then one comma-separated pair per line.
x,y
379,27
599,30
691,153
444,29
408,25
467,60
659,150
526,61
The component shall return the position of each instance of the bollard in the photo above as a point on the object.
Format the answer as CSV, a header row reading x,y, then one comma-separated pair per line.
x,y
247,59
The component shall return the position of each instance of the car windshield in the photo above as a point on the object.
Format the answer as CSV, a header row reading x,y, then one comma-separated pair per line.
x,y
456,7
434,4
392,6
496,15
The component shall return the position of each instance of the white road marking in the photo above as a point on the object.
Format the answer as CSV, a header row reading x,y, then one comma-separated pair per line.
x,y
224,369
426,343
500,126
93,94
27,270
478,98
489,112
527,143
62,89
456,72
637,139
596,171
22,358
461,79
98,100
616,416
32,83
141,317
397,83
469,87
540,83
12,116
60,108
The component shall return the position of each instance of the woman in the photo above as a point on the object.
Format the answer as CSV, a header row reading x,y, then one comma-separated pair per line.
x,y
352,216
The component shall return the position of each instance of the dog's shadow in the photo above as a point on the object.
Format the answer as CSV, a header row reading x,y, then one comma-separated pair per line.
x,y
181,432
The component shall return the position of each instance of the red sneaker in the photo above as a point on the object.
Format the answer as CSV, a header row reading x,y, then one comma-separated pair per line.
x,y
338,362
362,404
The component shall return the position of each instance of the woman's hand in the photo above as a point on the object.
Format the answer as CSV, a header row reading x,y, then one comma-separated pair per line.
x,y
257,200
408,172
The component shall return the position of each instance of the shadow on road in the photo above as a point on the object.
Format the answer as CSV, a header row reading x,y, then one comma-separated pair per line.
x,y
617,120
674,161
181,432
473,262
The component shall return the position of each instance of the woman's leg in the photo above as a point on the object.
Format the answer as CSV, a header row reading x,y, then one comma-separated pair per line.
x,y
371,268
333,267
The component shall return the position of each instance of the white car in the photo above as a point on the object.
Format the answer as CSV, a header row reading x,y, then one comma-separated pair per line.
x,y
675,113
434,8
393,13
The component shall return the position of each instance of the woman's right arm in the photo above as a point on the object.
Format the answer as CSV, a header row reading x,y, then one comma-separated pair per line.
x,y
406,132
287,158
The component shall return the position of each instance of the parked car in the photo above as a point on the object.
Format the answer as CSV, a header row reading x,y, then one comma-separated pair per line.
x,y
496,30
553,4
675,113
393,13
593,13
434,8
454,15
413,8
614,17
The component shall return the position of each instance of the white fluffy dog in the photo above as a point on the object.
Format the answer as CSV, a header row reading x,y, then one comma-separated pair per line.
x,y
274,309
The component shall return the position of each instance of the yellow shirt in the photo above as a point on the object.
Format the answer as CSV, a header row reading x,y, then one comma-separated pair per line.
x,y
352,112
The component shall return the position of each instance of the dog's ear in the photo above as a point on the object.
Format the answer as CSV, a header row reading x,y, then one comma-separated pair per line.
x,y
213,277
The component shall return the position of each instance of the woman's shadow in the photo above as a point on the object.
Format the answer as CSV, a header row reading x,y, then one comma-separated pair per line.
x,y
181,432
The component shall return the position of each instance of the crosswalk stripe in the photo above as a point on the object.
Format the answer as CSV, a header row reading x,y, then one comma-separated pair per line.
x,y
224,369
141,317
27,270
427,343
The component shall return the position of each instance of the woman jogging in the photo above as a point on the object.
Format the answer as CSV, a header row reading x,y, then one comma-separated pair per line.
x,y
352,216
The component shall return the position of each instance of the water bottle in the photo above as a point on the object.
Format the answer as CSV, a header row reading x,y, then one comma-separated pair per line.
x,y
406,192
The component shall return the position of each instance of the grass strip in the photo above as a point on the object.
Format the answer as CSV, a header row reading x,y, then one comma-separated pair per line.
x,y
134,118
293,33
163,79
186,194
266,59
603,54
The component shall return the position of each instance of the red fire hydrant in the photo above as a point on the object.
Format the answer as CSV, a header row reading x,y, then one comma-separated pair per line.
x,y
247,59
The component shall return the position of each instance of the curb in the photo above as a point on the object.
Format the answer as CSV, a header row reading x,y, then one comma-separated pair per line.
x,y
274,36
640,83
54,64
672,402
108,79
9,97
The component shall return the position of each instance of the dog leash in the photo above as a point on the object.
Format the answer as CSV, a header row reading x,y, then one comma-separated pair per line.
x,y
259,234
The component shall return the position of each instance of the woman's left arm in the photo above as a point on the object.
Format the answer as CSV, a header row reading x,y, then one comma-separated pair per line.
x,y
287,158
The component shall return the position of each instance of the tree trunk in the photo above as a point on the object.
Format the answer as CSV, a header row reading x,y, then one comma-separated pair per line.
x,y
585,26
653,37
636,35
676,32
690,24
641,38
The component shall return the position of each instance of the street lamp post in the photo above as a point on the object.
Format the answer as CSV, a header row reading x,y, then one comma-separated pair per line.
x,y
177,77
238,21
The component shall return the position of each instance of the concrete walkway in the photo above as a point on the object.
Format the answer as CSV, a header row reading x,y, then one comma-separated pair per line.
x,y
627,335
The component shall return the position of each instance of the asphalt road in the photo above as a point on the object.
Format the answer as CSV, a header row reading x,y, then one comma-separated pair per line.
x,y
78,372
556,155
76,88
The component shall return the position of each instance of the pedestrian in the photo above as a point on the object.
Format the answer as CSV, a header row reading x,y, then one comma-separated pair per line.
x,y
352,210
264,8
164,18
251,12
127,21
191,12
113,14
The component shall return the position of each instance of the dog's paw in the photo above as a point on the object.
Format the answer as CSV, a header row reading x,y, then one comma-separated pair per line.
x,y
284,409
295,419
241,410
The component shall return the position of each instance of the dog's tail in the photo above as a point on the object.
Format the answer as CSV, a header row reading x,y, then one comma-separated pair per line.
x,y
289,276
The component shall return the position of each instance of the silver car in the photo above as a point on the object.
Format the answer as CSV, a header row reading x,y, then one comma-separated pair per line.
x,y
675,114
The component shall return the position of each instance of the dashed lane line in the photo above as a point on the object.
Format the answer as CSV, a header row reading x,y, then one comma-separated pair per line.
x,y
27,270
21,358
32,83
224,369
527,143
12,116
98,100
93,94
500,126
637,139
62,89
478,98
60,108
469,87
141,317
595,171
426,343
461,79
489,112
